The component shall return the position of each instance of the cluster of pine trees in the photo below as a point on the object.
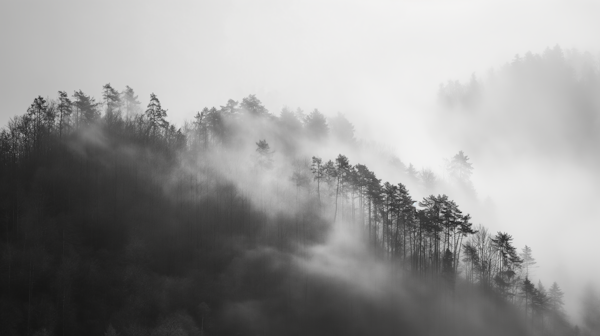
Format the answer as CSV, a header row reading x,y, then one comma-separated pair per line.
x,y
117,222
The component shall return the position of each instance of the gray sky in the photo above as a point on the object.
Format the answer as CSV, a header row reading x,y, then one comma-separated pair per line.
x,y
379,62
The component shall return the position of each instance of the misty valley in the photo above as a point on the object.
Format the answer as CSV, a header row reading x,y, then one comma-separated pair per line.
x,y
115,221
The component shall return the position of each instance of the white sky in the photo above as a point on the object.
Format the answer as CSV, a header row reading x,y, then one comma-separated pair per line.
x,y
380,62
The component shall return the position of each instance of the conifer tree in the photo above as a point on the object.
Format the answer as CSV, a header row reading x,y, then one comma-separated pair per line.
x,y
527,290
130,100
65,107
342,169
265,154
528,260
318,172
555,298
316,126
86,108
156,116
253,106
460,167
112,99
290,122
231,108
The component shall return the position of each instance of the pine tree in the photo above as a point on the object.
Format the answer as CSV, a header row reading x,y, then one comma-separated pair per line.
x,y
130,100
342,168
318,172
448,272
527,290
460,168
540,301
265,154
65,108
428,179
156,116
86,108
316,126
555,298
528,260
112,99
290,122
231,108
254,107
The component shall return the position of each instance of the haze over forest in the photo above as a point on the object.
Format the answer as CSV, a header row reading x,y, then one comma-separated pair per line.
x,y
290,171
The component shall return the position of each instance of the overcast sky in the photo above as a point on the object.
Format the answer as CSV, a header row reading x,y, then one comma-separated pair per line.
x,y
379,62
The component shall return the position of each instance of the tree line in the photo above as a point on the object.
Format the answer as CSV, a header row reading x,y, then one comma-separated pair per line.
x,y
83,183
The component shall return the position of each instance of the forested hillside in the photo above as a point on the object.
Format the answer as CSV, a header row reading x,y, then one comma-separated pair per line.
x,y
241,222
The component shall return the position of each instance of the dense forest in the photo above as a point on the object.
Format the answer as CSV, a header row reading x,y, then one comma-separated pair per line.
x,y
242,222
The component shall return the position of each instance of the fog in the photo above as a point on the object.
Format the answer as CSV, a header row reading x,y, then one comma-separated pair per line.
x,y
380,64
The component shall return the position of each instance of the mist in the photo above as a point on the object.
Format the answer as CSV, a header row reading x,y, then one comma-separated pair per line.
x,y
214,218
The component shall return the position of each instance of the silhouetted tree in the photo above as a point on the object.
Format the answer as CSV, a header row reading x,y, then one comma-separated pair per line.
x,y
86,108
156,116
342,169
65,108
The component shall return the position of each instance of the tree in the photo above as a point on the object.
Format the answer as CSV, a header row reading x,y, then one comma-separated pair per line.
x,y
290,129
37,113
539,301
555,298
215,123
342,168
472,261
65,108
231,108
460,167
300,176
528,260
130,99
254,107
265,154
290,122
156,116
111,98
460,170
508,262
318,172
448,272
527,290
86,108
316,126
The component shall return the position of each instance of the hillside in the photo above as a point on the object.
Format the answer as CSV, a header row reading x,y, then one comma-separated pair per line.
x,y
242,222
